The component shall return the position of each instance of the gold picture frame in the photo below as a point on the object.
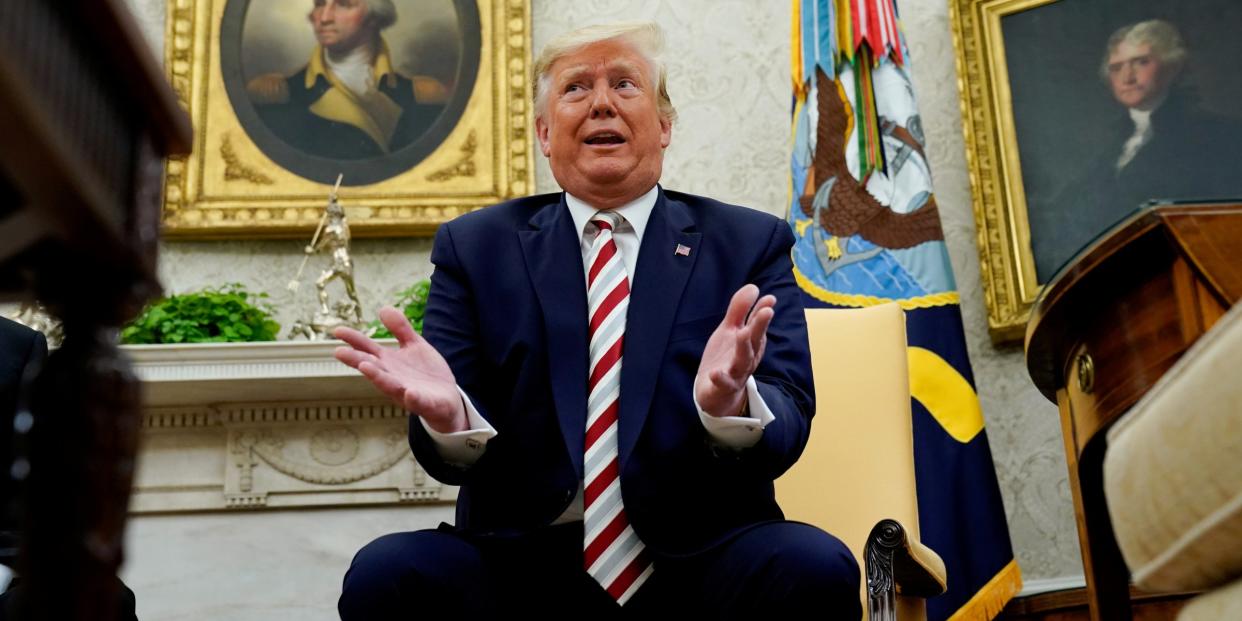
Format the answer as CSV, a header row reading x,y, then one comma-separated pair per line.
x,y
245,180
1003,235
1065,138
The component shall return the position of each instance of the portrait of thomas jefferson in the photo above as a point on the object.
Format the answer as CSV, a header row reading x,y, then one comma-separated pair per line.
x,y
367,88
1117,103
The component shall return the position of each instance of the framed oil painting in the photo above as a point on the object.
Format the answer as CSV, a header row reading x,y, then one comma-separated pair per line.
x,y
419,106
1078,112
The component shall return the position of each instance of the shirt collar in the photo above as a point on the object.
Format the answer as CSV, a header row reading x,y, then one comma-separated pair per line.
x,y
636,212
1141,118
382,65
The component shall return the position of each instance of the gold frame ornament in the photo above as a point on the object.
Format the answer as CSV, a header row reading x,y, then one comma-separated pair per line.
x,y
230,187
1003,234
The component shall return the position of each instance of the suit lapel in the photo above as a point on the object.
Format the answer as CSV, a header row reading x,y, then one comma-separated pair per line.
x,y
554,261
659,279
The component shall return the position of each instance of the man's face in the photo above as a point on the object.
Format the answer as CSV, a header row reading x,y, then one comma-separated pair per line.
x,y
340,25
1137,76
602,131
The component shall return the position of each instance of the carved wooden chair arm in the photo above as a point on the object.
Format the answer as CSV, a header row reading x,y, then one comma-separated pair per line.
x,y
897,564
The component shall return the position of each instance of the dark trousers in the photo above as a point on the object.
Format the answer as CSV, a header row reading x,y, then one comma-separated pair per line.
x,y
773,570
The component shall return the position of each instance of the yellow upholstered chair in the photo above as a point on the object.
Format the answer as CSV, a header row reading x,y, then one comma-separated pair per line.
x,y
856,476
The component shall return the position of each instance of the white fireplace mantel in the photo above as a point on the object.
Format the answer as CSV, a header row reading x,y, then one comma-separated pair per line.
x,y
243,426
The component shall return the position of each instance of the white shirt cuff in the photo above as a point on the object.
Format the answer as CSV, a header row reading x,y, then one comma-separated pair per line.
x,y
462,448
739,432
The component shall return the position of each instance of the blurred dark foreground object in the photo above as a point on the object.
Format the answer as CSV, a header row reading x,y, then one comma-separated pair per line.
x,y
86,116
22,354
14,598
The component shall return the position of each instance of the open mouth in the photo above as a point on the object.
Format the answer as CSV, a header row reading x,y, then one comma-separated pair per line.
x,y
603,138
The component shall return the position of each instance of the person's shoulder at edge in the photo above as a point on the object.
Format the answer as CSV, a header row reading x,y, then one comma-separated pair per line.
x,y
10,329
1186,110
428,90
515,214
16,342
701,204
275,88
272,88
729,223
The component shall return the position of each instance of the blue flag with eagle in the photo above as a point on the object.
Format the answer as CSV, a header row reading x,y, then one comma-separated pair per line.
x,y
868,231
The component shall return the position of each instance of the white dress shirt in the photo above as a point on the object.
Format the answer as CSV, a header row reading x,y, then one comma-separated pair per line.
x,y
355,69
738,432
1141,136
1143,131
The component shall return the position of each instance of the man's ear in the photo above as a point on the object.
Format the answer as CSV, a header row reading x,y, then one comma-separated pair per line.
x,y
666,132
541,132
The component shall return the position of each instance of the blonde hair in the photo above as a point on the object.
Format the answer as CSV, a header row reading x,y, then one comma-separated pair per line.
x,y
645,37
1163,37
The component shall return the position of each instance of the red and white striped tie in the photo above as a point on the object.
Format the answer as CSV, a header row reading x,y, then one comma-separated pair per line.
x,y
613,554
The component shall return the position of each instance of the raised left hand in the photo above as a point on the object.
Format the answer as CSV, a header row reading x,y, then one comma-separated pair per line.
x,y
733,352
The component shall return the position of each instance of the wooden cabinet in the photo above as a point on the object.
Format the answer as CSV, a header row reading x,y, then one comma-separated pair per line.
x,y
1107,328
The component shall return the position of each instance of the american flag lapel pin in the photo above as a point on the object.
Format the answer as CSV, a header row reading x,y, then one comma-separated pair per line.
x,y
682,250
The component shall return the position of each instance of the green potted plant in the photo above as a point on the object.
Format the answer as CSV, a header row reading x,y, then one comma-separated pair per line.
x,y
413,303
215,315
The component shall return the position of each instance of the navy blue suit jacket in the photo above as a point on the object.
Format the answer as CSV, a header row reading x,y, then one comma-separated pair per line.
x,y
508,310
22,350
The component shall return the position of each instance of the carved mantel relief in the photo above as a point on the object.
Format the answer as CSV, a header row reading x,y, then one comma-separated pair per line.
x,y
268,425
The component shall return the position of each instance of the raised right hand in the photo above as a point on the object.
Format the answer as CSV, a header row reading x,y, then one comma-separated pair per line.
x,y
414,375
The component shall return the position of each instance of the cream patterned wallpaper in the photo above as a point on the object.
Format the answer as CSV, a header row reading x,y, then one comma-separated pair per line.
x,y
728,67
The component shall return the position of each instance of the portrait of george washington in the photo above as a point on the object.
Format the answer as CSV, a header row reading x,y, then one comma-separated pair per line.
x,y
364,87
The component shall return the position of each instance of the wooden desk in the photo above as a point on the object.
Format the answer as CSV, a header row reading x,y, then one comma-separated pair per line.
x,y
1106,328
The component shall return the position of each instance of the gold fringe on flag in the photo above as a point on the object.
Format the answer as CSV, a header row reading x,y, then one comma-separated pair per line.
x,y
856,300
992,597
795,56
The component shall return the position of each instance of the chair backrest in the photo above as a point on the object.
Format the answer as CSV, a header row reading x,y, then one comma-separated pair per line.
x,y
858,466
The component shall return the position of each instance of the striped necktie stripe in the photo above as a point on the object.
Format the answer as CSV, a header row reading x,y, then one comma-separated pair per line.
x,y
612,553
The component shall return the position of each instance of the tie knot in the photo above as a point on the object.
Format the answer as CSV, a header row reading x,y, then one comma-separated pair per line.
x,y
607,220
